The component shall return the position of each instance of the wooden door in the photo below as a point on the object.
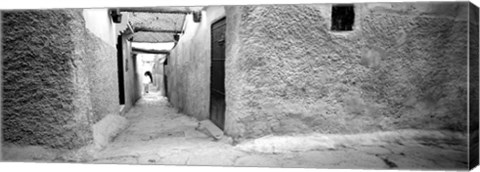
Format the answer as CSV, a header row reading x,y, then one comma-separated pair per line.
x,y
217,74
121,81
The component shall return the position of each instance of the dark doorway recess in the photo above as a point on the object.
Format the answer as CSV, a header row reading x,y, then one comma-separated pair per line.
x,y
121,83
149,74
217,74
165,83
343,17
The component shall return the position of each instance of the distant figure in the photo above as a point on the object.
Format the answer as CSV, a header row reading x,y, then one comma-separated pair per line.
x,y
147,79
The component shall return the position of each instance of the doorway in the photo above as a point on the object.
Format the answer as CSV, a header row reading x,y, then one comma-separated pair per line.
x,y
121,82
165,83
217,74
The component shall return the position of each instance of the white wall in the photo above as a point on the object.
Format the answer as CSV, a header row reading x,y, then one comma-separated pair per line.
x,y
153,46
99,22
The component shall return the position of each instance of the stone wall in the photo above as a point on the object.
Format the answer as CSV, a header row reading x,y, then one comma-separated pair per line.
x,y
58,79
188,69
402,66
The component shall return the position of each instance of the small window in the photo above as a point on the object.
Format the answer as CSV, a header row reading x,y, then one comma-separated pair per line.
x,y
343,17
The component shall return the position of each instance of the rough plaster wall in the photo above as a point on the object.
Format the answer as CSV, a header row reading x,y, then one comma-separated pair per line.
x,y
158,74
103,77
189,66
234,80
81,76
132,90
59,79
101,49
40,65
403,66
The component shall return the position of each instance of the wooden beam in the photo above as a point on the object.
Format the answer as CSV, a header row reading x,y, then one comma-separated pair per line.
x,y
157,10
149,51
147,29
130,27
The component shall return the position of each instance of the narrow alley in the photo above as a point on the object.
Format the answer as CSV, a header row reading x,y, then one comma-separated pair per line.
x,y
158,134
362,85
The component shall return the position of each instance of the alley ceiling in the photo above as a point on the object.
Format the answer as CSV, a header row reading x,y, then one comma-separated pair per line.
x,y
161,21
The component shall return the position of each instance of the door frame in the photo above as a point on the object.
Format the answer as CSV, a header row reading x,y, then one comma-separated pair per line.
x,y
216,22
120,70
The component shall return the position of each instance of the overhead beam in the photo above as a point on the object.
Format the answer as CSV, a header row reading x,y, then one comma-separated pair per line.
x,y
149,51
157,10
197,14
128,31
130,27
148,29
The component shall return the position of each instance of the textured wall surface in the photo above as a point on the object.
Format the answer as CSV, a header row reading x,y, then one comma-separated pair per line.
x,y
188,69
39,64
58,79
131,80
402,66
103,77
100,46
234,81
158,74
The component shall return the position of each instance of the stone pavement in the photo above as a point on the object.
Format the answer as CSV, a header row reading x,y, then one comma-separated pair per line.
x,y
158,134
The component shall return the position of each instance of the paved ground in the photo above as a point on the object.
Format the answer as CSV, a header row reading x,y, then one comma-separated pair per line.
x,y
159,135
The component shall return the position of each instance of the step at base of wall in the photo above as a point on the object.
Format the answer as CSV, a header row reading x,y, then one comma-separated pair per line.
x,y
210,128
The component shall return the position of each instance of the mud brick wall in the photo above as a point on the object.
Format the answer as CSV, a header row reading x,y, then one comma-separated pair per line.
x,y
404,65
55,76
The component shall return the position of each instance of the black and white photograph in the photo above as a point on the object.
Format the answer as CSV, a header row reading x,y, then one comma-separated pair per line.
x,y
360,85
